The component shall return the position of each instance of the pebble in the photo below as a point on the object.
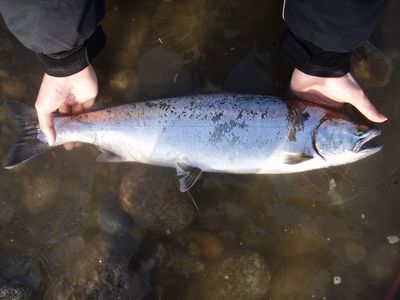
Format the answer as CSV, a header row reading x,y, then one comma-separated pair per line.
x,y
393,239
332,184
121,80
208,244
337,280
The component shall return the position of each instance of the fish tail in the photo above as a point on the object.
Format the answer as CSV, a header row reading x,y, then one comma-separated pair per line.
x,y
27,145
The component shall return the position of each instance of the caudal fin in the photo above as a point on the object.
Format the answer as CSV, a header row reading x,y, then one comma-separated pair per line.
x,y
27,145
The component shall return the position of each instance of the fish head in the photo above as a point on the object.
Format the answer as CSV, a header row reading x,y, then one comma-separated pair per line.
x,y
341,141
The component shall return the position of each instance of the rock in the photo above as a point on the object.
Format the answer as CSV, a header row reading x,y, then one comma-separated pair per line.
x,y
98,271
337,280
122,79
354,253
370,66
40,191
164,209
382,263
13,87
241,275
299,240
17,292
207,243
26,270
393,239
183,261
301,278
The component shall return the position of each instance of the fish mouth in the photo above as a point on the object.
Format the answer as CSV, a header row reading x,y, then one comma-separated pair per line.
x,y
364,145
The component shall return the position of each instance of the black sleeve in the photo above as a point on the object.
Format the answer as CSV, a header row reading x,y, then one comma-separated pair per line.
x,y
65,34
321,34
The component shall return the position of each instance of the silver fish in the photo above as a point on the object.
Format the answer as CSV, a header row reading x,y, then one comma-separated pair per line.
x,y
228,133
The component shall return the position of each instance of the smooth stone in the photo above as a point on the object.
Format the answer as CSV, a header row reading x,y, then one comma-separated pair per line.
x,y
39,191
13,87
208,244
240,275
382,263
122,80
354,253
298,240
371,66
301,277
184,261
100,270
164,209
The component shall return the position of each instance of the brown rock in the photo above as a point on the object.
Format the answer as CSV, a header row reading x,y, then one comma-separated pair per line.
x,y
163,209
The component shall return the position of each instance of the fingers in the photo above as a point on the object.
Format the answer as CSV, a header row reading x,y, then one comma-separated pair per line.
x,y
334,92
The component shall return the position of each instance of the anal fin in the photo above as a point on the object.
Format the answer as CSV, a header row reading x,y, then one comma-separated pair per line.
x,y
187,176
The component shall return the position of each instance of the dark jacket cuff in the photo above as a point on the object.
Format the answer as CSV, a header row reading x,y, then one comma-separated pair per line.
x,y
73,61
311,59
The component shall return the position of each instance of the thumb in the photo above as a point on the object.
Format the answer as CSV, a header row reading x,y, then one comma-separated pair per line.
x,y
365,106
46,123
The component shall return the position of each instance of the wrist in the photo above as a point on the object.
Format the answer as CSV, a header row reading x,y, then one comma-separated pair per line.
x,y
76,60
313,60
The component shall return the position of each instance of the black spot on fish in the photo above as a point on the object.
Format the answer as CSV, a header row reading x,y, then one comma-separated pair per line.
x,y
296,118
150,104
164,105
217,117
306,116
396,181
240,115
264,115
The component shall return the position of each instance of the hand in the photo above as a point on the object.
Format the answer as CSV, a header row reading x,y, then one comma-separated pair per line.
x,y
334,92
73,94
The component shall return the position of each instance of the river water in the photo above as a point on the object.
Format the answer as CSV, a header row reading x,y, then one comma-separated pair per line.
x,y
71,228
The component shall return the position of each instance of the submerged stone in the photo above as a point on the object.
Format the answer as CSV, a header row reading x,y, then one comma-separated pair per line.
x,y
240,275
99,271
371,66
163,209
208,244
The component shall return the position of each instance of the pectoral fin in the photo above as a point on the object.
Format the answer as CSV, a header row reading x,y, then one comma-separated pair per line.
x,y
187,176
293,158
108,156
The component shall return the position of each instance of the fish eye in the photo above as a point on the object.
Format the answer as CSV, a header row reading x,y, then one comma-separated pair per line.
x,y
360,132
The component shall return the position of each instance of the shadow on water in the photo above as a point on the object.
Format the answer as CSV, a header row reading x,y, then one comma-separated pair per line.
x,y
74,229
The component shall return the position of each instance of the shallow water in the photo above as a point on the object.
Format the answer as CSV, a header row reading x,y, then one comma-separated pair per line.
x,y
74,229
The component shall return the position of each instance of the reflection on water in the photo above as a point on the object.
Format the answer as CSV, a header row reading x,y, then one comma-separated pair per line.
x,y
74,229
